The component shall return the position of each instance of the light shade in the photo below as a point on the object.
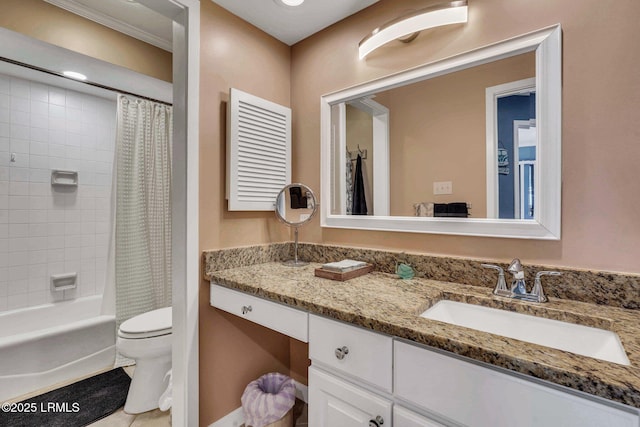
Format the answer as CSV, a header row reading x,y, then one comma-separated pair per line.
x,y
74,75
454,12
292,2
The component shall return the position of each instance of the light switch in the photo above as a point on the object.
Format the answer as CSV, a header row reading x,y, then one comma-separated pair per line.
x,y
443,187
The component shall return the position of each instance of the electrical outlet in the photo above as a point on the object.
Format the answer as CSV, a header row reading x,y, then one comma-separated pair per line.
x,y
443,187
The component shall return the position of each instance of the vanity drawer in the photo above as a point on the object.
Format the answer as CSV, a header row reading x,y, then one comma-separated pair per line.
x,y
355,351
278,317
471,394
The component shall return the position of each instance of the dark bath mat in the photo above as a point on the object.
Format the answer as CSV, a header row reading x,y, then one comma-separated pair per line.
x,y
75,405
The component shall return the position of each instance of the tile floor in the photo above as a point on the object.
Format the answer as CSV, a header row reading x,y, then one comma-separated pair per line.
x,y
146,419
300,414
162,419
155,418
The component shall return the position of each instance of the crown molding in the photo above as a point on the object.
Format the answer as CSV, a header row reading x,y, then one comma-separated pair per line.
x,y
114,24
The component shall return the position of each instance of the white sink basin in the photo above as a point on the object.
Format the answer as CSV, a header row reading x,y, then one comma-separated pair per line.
x,y
584,340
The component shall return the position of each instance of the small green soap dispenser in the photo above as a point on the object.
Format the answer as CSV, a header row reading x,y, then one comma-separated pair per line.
x,y
405,271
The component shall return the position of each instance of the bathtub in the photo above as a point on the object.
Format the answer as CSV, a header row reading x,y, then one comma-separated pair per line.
x,y
48,344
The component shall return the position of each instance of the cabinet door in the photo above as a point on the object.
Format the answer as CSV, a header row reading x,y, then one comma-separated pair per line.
x,y
337,403
476,396
402,417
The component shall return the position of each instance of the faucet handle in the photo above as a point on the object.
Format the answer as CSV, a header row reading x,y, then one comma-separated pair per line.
x,y
515,266
537,290
501,286
495,267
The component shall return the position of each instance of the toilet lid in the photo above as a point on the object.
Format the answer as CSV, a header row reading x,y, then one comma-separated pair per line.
x,y
150,324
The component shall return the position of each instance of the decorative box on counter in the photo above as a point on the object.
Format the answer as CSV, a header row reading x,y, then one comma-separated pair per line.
x,y
343,270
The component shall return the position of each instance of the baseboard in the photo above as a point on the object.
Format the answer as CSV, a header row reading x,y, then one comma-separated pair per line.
x,y
232,419
302,392
236,417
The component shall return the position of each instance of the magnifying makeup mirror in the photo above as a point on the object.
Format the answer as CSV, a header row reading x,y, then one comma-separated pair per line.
x,y
295,206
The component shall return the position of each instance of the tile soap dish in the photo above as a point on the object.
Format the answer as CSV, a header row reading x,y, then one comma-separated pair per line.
x,y
64,178
343,270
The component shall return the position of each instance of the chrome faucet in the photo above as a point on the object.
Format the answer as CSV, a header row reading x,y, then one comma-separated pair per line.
x,y
518,288
501,286
537,285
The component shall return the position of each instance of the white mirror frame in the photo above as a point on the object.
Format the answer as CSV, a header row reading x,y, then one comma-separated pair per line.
x,y
546,223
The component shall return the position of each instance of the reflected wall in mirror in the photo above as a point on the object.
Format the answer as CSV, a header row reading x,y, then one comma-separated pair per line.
x,y
485,124
437,134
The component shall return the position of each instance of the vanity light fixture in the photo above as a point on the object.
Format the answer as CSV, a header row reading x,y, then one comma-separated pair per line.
x,y
292,2
74,75
408,26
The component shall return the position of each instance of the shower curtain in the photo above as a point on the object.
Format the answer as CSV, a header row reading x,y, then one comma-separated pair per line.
x,y
141,245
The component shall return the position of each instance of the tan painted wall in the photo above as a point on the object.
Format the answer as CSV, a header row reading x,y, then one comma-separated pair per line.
x,y
600,114
437,133
233,351
43,21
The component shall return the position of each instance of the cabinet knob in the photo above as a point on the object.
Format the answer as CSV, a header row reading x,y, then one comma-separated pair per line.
x,y
341,352
377,422
246,309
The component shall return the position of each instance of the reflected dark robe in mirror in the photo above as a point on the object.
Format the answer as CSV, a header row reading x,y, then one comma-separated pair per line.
x,y
297,200
359,206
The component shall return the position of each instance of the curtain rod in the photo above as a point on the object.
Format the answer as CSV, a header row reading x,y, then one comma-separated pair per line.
x,y
98,85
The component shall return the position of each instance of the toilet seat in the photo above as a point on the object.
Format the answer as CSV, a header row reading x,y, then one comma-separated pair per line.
x,y
153,323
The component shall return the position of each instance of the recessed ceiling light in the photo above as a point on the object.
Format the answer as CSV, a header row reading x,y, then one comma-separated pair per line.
x,y
74,75
292,2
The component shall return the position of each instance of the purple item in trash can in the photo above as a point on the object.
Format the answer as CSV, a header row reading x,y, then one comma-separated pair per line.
x,y
268,399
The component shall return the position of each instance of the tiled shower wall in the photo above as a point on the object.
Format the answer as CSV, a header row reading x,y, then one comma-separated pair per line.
x,y
45,229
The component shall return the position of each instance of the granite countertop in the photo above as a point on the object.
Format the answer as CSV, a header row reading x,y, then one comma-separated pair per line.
x,y
384,303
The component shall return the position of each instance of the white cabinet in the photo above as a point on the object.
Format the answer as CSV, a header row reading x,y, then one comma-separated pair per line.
x,y
354,351
258,151
360,378
403,417
279,317
477,396
337,403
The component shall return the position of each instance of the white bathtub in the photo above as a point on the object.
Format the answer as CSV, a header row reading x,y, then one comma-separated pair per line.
x,y
44,345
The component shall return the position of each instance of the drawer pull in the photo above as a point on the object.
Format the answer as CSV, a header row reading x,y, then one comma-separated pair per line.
x,y
342,352
377,422
246,309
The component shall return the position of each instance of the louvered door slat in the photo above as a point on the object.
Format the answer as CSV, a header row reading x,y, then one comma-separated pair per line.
x,y
259,110
258,151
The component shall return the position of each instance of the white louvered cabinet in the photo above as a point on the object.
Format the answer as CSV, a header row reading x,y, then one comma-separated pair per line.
x,y
258,151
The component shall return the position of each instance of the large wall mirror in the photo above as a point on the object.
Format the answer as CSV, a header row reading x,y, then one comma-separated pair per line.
x,y
468,145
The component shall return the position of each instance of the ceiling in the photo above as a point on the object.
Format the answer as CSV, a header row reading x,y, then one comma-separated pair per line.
x,y
292,24
286,23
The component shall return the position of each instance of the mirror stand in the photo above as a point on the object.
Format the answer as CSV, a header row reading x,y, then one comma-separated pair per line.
x,y
295,206
295,262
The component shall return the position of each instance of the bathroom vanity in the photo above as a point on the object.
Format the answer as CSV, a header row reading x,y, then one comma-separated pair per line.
x,y
377,362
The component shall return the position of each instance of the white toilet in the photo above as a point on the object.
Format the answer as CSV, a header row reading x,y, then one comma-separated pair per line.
x,y
146,338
